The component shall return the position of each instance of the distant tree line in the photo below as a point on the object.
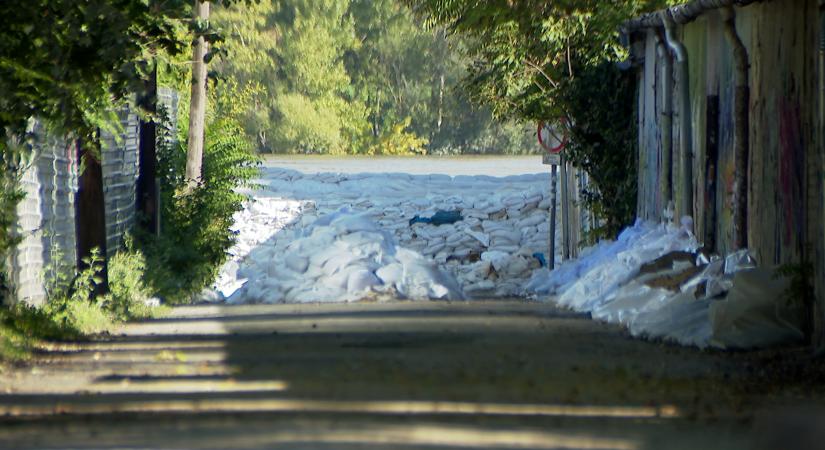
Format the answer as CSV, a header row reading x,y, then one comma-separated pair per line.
x,y
348,77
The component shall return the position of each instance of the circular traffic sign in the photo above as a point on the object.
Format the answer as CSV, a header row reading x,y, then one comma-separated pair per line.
x,y
552,137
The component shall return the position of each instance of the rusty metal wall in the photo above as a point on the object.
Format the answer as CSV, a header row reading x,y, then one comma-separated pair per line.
x,y
785,208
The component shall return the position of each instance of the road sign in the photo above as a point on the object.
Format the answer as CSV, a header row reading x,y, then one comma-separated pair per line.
x,y
552,137
551,159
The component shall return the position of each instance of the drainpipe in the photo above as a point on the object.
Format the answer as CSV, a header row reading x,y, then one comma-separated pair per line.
x,y
819,323
686,128
741,131
666,181
822,70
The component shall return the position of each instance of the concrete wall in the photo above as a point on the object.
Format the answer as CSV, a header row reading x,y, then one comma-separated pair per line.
x,y
785,208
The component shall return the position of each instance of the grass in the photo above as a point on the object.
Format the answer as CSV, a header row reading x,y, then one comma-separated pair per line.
x,y
23,327
73,312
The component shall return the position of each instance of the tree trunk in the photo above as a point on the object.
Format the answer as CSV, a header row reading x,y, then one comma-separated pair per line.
x,y
197,108
90,208
741,133
147,186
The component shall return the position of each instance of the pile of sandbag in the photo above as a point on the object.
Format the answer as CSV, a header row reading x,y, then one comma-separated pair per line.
x,y
654,280
486,234
340,257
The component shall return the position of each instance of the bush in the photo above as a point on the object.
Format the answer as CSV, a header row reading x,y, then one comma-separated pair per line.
x,y
128,295
195,223
600,103
72,304
399,142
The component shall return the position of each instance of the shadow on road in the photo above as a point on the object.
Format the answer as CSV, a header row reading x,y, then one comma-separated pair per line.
x,y
384,376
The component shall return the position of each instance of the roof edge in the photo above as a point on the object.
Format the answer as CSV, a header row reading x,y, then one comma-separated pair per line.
x,y
681,14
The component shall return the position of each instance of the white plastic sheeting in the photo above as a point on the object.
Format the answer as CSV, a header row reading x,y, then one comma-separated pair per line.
x,y
723,303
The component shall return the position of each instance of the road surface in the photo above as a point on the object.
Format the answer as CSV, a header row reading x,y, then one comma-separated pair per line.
x,y
397,375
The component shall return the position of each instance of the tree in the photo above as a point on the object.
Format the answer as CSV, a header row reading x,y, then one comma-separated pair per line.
x,y
534,59
69,63
342,76
197,108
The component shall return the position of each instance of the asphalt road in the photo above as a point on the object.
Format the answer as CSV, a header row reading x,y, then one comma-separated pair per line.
x,y
401,375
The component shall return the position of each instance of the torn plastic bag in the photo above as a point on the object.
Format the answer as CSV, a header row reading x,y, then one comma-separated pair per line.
x,y
439,218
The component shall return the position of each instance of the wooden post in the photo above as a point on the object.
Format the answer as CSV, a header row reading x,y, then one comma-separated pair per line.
x,y
148,203
565,210
741,132
90,208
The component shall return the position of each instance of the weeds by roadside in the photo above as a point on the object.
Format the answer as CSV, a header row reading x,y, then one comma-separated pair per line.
x,y
73,311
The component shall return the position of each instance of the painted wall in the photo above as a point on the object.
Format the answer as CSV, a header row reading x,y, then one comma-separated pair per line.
x,y
785,209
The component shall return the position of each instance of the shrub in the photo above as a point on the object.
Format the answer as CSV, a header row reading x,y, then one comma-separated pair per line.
x,y
600,103
398,141
72,304
195,223
128,294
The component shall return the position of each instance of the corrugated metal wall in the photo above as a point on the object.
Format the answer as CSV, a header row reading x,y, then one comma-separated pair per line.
x,y
47,214
785,210
120,172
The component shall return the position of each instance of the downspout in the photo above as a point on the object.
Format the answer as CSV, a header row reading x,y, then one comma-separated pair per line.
x,y
741,132
819,321
666,182
686,125
822,71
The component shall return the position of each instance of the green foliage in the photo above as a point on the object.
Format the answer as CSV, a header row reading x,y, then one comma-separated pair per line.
x,y
522,51
13,162
399,142
72,304
601,106
65,60
340,76
22,327
546,61
801,291
128,293
196,226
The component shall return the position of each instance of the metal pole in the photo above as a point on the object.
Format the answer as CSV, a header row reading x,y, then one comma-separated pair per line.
x,y
565,210
551,260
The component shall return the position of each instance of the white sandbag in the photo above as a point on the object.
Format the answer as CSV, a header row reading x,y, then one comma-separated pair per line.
x,y
680,318
481,237
498,259
755,313
533,219
296,263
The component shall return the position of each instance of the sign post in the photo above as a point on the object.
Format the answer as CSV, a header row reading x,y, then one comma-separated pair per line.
x,y
552,140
